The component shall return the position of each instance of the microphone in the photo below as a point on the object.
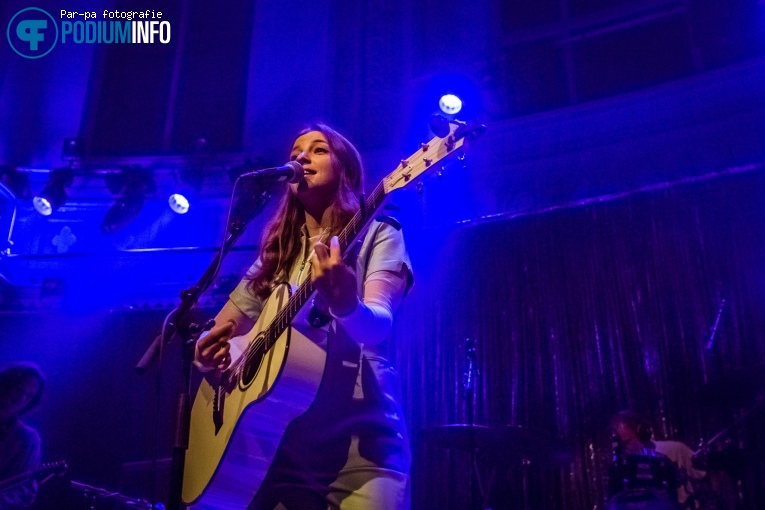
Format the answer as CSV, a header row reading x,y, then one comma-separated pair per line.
x,y
290,172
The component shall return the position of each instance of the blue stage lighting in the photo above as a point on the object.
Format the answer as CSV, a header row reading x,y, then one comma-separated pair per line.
x,y
187,188
450,104
53,194
42,205
178,203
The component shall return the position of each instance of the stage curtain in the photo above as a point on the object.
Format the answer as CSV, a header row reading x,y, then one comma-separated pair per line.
x,y
579,313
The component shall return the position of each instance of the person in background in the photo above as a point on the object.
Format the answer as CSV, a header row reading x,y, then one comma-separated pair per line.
x,y
635,435
21,387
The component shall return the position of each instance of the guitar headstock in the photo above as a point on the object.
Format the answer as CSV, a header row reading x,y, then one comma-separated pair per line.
x,y
431,155
51,469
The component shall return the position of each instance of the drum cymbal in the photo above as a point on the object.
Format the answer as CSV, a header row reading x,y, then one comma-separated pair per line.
x,y
508,444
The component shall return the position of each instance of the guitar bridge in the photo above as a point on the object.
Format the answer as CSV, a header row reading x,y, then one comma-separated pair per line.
x,y
218,402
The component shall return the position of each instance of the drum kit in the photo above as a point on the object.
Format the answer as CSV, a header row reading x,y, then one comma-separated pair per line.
x,y
649,480
644,480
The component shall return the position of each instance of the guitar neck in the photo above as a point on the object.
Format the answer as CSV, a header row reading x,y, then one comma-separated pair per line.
x,y
11,483
38,474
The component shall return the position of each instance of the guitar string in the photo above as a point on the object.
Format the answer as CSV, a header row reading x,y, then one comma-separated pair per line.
x,y
305,289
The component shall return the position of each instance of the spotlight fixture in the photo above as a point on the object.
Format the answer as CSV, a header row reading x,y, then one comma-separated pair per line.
x,y
178,203
188,186
450,104
135,183
53,194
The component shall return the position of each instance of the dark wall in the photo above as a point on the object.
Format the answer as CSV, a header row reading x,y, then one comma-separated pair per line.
x,y
579,313
163,98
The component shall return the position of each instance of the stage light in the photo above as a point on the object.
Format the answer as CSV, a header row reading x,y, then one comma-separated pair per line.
x,y
450,104
188,187
454,94
136,182
53,194
178,203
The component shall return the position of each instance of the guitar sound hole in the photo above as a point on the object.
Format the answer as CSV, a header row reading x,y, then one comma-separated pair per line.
x,y
251,367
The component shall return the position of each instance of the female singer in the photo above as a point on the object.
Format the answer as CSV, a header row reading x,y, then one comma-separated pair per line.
x,y
350,450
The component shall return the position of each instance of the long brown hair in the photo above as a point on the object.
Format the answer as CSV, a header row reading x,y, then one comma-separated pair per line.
x,y
281,244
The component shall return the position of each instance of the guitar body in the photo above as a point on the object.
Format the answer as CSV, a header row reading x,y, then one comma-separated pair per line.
x,y
227,461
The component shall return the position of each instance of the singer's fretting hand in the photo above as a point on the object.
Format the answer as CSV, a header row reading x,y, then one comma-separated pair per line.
x,y
213,349
335,281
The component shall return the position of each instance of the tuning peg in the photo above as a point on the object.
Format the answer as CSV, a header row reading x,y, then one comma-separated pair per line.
x,y
404,163
424,147
427,161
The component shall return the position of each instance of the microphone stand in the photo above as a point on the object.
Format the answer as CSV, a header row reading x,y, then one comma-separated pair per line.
x,y
469,386
710,339
177,322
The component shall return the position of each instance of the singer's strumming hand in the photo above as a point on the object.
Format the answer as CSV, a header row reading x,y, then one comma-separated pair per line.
x,y
335,281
